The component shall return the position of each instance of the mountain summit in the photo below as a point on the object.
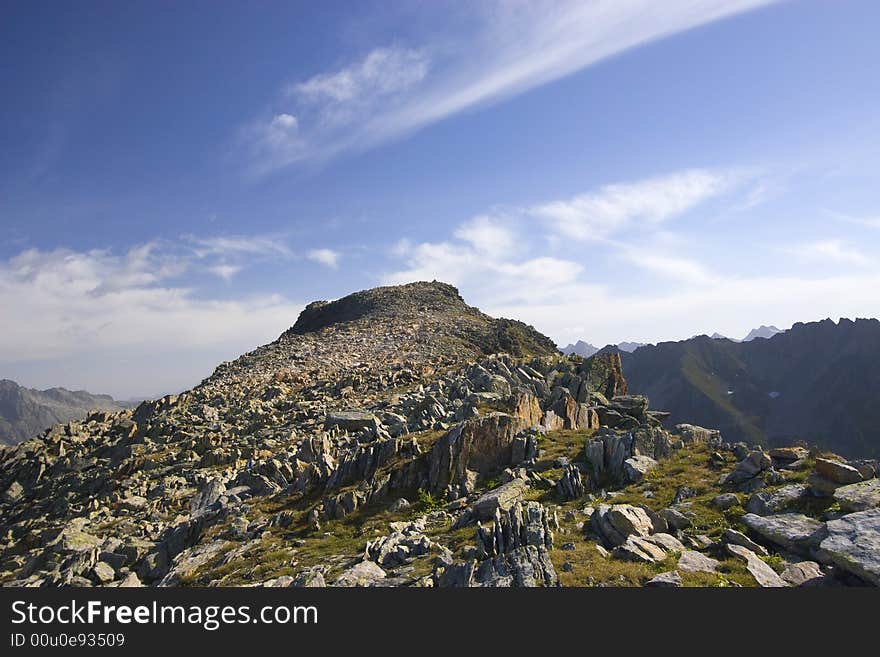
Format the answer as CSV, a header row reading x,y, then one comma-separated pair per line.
x,y
423,324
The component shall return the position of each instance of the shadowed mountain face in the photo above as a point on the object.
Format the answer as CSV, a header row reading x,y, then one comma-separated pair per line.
x,y
817,382
25,412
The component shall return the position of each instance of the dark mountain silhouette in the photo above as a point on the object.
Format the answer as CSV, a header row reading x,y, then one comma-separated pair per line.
x,y
818,382
25,412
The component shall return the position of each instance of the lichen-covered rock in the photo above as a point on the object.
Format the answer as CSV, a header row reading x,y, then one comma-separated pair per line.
x,y
853,544
859,496
793,531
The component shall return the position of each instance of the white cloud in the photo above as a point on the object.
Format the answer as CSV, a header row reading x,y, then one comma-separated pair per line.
x,y
499,50
673,266
124,318
867,222
250,245
731,306
615,207
327,257
571,292
487,235
226,272
383,71
833,250
273,142
484,254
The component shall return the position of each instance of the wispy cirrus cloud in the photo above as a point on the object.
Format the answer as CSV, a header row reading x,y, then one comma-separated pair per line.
x,y
831,250
866,221
502,49
614,207
223,245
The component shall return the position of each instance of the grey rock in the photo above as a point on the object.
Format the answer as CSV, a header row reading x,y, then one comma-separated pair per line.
x,y
103,573
793,531
691,433
769,502
675,519
13,493
763,574
804,573
208,495
310,578
363,574
636,467
628,519
733,537
837,472
670,579
859,496
501,498
692,561
353,421
725,501
853,544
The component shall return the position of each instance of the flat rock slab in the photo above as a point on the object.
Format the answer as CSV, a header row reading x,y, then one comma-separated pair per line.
x,y
837,471
503,498
352,420
365,573
669,579
853,544
794,531
734,537
767,503
804,573
763,574
859,497
692,561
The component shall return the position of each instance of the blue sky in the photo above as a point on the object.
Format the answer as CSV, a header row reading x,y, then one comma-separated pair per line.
x,y
178,179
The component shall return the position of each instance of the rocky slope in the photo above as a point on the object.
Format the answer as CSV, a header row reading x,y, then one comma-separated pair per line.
x,y
816,382
25,412
398,437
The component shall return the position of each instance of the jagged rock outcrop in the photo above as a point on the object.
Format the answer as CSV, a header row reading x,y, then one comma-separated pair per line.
x,y
514,551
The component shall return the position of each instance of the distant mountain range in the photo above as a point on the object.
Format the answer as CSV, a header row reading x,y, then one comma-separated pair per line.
x,y
585,349
817,382
25,412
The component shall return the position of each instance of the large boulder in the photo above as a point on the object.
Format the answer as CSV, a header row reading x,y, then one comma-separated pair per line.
x,y
769,502
614,523
853,544
838,472
353,421
692,561
793,531
804,573
502,498
636,467
365,573
691,433
482,445
861,496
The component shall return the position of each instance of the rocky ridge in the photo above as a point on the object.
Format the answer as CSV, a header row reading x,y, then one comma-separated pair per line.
x,y
399,437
